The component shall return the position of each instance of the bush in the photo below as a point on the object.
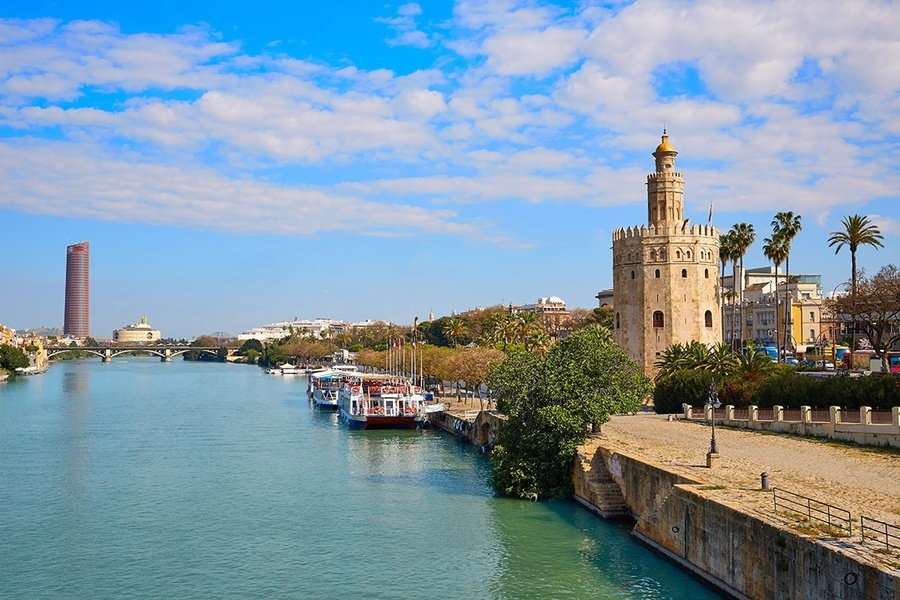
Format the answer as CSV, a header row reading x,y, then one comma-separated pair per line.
x,y
681,387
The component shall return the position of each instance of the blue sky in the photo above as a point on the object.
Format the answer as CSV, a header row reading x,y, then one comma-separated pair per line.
x,y
237,163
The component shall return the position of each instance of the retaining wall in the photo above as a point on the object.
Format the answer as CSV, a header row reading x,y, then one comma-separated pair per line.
x,y
736,551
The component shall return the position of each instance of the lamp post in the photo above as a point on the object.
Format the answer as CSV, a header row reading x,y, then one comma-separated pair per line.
x,y
712,401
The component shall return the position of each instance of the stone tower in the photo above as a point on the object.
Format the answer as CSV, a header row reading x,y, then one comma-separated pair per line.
x,y
665,273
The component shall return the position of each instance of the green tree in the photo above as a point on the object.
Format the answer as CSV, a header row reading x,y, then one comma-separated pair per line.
x,y
776,250
12,358
877,307
858,231
251,344
744,236
786,225
728,253
454,328
550,402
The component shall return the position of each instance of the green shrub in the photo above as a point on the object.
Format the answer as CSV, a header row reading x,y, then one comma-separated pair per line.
x,y
681,387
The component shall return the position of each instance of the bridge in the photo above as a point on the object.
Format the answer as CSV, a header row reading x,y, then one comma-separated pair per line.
x,y
107,353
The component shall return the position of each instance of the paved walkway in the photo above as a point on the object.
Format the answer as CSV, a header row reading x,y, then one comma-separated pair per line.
x,y
863,480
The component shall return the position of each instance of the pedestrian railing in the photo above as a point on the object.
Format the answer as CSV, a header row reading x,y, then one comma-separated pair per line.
x,y
880,532
813,510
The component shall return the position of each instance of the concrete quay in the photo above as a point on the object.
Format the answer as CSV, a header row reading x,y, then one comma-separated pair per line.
x,y
721,525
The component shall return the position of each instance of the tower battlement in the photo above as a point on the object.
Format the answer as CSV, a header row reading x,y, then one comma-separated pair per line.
x,y
660,174
683,228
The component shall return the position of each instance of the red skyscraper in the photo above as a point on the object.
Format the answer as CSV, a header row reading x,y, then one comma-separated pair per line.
x,y
78,291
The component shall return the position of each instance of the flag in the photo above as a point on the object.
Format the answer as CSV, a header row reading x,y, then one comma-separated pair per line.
x,y
710,212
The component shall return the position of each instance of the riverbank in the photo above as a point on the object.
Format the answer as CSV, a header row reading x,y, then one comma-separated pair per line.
x,y
720,524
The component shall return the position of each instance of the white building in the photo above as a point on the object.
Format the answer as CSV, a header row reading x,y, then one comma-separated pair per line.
x,y
139,332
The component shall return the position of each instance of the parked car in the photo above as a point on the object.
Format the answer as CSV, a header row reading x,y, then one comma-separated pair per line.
x,y
825,364
790,360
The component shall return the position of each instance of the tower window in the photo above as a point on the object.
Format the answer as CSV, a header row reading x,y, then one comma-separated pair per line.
x,y
657,273
684,273
617,320
657,318
812,316
632,274
706,273
708,318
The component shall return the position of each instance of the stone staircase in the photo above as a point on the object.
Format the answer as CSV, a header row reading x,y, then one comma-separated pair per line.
x,y
595,487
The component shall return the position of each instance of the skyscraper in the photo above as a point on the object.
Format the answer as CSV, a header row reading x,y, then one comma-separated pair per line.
x,y
78,291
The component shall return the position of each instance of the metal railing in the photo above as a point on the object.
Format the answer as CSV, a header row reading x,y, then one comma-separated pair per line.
x,y
813,510
880,532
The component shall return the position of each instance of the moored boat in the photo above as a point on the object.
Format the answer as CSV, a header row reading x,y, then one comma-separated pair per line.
x,y
324,387
380,401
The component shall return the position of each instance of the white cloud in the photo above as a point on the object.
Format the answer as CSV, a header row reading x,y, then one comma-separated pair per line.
x,y
66,180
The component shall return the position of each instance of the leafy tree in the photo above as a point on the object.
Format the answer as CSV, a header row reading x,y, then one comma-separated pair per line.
x,y
251,344
858,231
12,358
877,308
550,402
472,365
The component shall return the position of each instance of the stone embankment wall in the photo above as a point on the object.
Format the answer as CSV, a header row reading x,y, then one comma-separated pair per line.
x,y
741,554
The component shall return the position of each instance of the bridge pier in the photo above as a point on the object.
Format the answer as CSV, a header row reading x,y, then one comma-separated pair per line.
x,y
107,355
167,357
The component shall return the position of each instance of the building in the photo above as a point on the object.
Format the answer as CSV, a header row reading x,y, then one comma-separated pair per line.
x,y
800,297
139,332
77,320
277,331
665,273
552,311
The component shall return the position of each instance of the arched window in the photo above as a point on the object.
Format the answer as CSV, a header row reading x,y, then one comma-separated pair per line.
x,y
684,273
657,273
657,318
662,254
632,274
678,254
706,273
708,318
617,320
653,255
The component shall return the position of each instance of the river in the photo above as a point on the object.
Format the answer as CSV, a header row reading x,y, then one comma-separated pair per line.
x,y
143,479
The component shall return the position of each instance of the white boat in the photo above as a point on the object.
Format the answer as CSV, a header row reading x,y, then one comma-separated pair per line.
x,y
324,387
380,401
289,369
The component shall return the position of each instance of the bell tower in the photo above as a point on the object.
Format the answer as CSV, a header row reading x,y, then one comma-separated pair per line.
x,y
665,188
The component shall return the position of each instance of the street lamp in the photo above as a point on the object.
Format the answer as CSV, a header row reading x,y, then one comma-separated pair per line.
x,y
712,400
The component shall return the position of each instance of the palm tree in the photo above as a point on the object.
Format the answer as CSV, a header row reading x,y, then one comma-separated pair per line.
x,y
727,253
744,236
858,230
776,250
454,328
787,226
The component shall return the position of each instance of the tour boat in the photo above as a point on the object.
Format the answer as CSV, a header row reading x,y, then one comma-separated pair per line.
x,y
324,387
381,401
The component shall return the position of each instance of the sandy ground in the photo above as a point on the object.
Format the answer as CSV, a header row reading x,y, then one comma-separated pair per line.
x,y
863,480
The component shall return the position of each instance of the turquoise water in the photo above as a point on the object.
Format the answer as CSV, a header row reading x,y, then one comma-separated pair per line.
x,y
142,479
